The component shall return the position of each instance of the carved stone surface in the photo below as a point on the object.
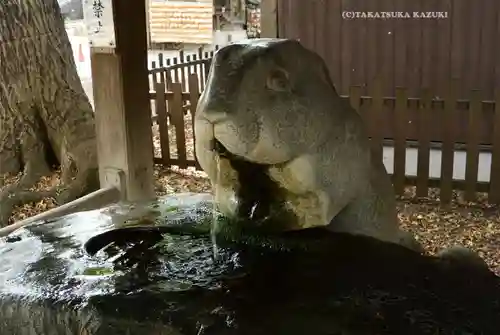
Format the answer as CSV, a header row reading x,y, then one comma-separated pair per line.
x,y
338,284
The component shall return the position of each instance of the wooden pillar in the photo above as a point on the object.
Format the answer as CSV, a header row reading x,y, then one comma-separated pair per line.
x,y
121,96
148,24
269,18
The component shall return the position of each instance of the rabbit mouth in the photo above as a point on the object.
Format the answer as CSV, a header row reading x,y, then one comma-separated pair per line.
x,y
218,147
221,150
260,197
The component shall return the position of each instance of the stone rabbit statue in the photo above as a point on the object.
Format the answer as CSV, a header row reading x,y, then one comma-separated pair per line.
x,y
271,103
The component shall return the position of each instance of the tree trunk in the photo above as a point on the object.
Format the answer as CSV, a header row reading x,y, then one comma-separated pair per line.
x,y
46,120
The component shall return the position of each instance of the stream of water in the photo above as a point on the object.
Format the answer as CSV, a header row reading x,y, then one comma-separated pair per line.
x,y
215,224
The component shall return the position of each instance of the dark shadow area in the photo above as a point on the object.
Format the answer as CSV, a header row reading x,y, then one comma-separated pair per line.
x,y
260,198
327,283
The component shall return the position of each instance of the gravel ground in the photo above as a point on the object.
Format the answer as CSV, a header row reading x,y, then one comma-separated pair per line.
x,y
474,225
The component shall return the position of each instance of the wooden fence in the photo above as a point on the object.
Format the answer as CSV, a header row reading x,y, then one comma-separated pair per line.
x,y
177,69
416,119
167,71
470,128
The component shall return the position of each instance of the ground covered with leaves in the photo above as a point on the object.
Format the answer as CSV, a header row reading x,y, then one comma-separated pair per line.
x,y
474,225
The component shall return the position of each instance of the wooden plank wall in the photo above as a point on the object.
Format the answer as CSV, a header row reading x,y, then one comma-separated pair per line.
x,y
411,53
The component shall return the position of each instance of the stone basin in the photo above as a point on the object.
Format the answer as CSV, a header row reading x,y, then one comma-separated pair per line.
x,y
339,284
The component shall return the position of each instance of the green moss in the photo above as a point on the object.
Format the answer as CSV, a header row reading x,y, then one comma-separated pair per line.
x,y
98,271
171,209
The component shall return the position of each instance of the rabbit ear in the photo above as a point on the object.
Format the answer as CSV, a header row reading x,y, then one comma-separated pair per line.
x,y
278,80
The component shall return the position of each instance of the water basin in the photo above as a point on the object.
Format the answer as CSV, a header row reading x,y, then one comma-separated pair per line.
x,y
322,284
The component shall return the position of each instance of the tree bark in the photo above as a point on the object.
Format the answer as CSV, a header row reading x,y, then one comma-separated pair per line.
x,y
46,119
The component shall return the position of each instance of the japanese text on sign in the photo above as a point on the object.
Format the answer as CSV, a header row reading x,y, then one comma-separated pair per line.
x,y
98,15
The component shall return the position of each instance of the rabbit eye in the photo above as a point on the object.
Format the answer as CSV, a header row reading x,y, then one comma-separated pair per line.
x,y
277,80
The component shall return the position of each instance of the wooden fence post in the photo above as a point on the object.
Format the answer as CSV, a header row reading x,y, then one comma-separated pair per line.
x,y
494,193
194,94
374,118
472,163
423,158
168,74
152,76
177,116
188,70
161,64
448,149
199,69
161,114
175,61
182,70
206,66
401,124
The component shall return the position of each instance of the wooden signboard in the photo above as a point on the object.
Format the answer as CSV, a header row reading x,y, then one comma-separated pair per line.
x,y
98,16
181,21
